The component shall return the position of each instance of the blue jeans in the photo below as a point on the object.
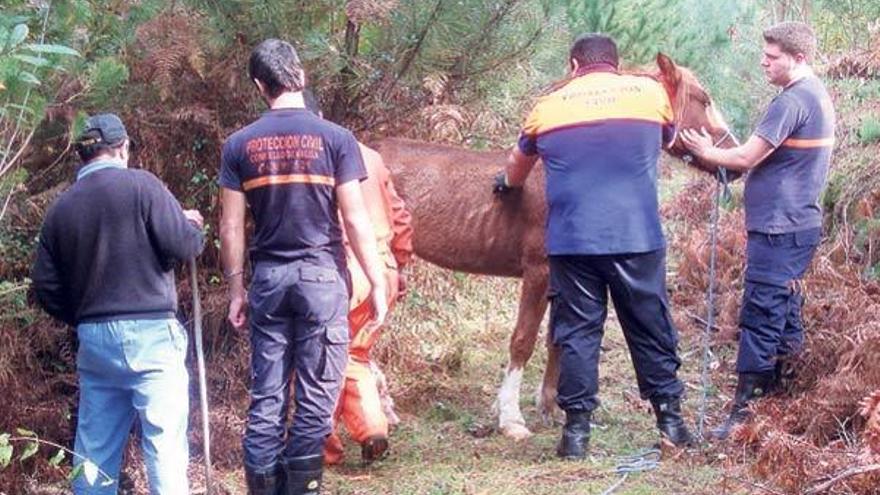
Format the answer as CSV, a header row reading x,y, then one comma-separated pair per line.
x,y
128,369
770,318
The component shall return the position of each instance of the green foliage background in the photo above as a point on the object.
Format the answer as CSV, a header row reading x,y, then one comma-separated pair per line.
x,y
459,71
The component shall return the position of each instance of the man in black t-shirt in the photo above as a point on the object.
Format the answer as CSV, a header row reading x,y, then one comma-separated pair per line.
x,y
295,171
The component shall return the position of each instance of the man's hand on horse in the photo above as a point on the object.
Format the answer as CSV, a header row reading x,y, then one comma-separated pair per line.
x,y
500,185
699,142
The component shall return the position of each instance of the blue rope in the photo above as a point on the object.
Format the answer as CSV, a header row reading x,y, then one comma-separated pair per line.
x,y
722,192
646,460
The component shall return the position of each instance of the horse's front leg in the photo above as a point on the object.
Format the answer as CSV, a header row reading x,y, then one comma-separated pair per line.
x,y
532,304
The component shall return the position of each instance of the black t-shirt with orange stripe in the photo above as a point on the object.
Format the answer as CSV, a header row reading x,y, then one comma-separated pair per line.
x,y
782,192
288,164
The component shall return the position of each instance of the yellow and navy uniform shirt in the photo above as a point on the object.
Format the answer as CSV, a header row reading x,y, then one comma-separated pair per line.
x,y
782,192
288,164
600,137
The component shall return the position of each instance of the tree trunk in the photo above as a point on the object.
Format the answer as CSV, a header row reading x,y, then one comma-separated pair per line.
x,y
342,101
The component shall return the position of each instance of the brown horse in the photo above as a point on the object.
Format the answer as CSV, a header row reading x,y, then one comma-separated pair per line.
x,y
460,225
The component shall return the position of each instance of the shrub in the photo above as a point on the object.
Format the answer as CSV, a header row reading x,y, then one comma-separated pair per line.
x,y
869,130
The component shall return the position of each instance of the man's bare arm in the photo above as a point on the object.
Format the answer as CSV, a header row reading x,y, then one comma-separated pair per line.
x,y
360,234
740,159
232,249
519,166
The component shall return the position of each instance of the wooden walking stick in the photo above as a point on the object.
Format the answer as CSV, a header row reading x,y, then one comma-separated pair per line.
x,y
200,364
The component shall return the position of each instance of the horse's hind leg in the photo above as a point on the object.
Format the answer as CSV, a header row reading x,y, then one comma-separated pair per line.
x,y
532,304
546,396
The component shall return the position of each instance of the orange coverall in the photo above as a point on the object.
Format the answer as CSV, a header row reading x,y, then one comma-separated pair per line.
x,y
359,406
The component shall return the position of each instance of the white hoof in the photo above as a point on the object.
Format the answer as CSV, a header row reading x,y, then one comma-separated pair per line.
x,y
510,418
515,431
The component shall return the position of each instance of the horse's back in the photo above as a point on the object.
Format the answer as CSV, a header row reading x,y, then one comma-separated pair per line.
x,y
457,221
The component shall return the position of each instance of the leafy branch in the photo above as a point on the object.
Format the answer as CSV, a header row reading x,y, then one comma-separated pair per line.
x,y
32,444
22,64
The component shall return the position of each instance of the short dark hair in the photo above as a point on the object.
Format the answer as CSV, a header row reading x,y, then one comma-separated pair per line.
x,y
276,64
594,48
793,38
88,153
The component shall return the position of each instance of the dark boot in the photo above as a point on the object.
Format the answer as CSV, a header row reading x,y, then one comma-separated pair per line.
x,y
373,449
670,422
303,475
575,436
264,483
748,386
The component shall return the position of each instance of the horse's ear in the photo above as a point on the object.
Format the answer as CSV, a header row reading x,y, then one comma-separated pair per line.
x,y
668,68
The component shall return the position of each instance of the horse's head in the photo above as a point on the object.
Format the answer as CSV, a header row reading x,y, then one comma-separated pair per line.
x,y
693,109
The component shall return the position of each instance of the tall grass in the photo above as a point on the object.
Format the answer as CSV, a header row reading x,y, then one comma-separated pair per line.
x,y
869,130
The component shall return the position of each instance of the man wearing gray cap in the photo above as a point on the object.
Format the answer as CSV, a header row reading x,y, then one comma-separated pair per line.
x,y
105,265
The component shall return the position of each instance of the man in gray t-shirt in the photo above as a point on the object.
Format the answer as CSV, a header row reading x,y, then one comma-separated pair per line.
x,y
787,158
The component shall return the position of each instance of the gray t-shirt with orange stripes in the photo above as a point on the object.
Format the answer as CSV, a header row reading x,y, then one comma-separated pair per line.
x,y
782,192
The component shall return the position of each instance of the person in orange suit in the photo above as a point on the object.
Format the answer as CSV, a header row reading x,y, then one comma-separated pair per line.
x,y
360,407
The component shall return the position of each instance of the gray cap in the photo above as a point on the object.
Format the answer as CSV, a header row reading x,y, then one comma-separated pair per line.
x,y
104,128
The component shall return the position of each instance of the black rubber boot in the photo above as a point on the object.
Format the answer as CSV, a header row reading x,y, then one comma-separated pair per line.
x,y
575,436
303,475
670,422
749,386
373,449
264,483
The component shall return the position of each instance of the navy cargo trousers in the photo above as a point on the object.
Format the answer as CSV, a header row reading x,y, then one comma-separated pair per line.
x,y
770,317
299,326
579,288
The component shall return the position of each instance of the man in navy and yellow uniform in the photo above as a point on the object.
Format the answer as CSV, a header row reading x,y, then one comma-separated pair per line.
x,y
299,174
599,136
787,158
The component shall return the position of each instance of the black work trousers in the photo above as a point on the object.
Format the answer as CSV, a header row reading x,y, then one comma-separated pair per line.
x,y
579,288
770,320
298,319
